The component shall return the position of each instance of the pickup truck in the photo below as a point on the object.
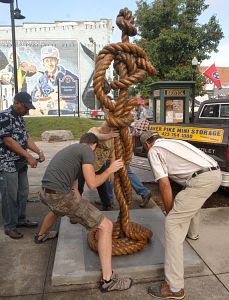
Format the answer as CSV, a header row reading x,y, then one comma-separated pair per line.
x,y
209,132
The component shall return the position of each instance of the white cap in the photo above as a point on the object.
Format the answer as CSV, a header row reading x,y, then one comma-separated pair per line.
x,y
49,51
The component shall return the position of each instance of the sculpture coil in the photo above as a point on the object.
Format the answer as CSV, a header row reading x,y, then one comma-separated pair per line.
x,y
132,65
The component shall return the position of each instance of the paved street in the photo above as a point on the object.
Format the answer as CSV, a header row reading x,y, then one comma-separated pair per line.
x,y
25,267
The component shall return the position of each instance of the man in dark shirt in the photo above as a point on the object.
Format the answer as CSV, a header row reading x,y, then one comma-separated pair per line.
x,y
14,142
60,193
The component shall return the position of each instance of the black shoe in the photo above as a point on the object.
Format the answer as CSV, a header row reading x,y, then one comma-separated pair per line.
x,y
14,234
27,224
145,200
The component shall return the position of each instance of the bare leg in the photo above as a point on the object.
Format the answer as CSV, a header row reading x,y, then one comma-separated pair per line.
x,y
48,222
105,247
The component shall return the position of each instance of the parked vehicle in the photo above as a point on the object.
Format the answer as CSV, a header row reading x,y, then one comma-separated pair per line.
x,y
209,132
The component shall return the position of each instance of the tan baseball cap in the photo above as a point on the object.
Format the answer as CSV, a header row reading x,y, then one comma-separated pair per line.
x,y
146,135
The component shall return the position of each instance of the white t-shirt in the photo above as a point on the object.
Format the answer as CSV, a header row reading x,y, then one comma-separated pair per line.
x,y
177,159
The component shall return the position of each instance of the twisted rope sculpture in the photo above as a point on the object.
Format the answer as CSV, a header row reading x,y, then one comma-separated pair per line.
x,y
132,65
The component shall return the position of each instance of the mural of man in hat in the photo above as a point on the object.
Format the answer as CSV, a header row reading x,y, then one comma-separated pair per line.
x,y
45,92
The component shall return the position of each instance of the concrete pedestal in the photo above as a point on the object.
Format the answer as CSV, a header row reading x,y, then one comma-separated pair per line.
x,y
76,263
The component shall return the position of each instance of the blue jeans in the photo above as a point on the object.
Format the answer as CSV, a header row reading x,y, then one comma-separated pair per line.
x,y
105,190
14,190
137,185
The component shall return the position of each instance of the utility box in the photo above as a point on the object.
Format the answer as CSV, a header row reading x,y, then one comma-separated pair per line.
x,y
171,101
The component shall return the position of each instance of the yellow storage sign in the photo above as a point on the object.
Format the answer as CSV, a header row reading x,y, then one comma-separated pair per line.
x,y
205,135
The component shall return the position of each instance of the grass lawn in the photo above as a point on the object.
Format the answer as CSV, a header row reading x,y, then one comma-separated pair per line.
x,y
78,126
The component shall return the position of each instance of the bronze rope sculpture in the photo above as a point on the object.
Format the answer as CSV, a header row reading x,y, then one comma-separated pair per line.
x,y
131,65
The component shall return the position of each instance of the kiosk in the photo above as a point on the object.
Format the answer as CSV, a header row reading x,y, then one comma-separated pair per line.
x,y
171,101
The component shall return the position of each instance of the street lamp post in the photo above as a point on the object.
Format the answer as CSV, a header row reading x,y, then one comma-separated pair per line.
x,y
194,66
14,14
94,44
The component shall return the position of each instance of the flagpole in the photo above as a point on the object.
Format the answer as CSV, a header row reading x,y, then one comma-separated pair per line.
x,y
194,66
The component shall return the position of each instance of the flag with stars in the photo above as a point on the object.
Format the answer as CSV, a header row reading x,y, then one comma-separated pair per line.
x,y
213,75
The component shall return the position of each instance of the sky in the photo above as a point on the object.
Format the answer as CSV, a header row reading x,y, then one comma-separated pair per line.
x,y
39,11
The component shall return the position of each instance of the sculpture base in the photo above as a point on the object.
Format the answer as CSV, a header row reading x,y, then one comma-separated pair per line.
x,y
76,263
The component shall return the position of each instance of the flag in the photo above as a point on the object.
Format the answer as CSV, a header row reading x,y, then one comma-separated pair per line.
x,y
213,75
20,78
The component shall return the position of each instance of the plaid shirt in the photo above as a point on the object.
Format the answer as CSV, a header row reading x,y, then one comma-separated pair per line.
x,y
140,125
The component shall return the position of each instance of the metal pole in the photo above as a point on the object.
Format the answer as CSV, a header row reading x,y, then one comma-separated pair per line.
x,y
193,93
194,66
78,108
96,106
79,87
58,95
14,47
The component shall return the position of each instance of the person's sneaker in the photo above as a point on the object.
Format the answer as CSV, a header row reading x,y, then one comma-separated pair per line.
x,y
109,208
163,292
115,284
38,239
14,234
194,238
27,224
145,200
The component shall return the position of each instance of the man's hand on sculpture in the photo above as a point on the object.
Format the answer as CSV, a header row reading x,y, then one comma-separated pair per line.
x,y
114,134
116,165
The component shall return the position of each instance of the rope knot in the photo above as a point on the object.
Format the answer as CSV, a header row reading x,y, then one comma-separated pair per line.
x,y
125,22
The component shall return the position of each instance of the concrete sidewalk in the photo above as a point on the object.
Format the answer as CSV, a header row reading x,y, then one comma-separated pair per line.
x,y
26,268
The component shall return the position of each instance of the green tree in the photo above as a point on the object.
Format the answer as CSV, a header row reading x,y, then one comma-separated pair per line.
x,y
171,35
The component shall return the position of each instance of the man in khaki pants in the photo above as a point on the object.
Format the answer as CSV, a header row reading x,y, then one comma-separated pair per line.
x,y
200,176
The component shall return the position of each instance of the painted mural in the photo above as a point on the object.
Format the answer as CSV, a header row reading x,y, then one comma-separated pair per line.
x,y
42,66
